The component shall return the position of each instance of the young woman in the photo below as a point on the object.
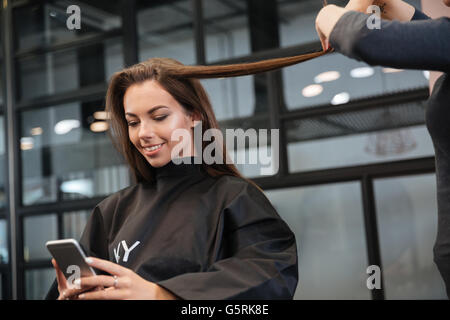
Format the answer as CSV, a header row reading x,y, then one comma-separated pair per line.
x,y
411,41
183,231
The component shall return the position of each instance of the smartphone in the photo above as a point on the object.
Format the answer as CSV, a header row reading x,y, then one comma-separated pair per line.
x,y
70,257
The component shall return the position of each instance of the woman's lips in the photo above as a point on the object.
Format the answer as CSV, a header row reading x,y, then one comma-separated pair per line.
x,y
147,152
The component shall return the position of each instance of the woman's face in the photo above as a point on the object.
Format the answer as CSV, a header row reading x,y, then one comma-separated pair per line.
x,y
152,115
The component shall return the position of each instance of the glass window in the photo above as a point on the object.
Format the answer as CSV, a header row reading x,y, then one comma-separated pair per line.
x,y
37,231
338,150
38,282
226,29
407,224
64,156
336,79
66,70
44,24
74,223
297,19
3,242
235,97
329,229
165,30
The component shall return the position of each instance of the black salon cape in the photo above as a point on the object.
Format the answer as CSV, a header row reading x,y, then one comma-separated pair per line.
x,y
199,237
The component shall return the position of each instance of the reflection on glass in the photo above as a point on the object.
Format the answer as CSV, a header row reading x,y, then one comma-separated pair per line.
x,y
44,24
232,97
38,282
328,225
165,30
407,224
358,149
63,159
3,242
37,231
74,223
66,70
226,29
298,77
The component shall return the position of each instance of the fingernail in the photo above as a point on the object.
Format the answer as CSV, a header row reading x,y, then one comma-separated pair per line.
x,y
88,260
77,282
81,296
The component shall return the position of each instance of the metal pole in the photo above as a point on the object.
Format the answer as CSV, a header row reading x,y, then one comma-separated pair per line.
x,y
11,139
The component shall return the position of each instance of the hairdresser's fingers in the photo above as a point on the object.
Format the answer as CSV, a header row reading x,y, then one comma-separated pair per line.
x,y
322,38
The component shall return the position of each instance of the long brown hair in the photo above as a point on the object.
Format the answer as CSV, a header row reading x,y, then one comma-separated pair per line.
x,y
182,83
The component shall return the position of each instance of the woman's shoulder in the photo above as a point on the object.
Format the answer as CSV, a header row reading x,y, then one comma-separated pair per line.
x,y
235,187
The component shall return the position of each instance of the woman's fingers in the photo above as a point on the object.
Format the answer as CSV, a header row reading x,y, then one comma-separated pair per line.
x,y
60,278
108,266
96,281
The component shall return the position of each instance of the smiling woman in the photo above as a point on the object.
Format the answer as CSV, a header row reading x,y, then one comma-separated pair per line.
x,y
198,230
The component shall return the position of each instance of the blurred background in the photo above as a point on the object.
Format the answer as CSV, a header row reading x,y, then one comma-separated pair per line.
x,y
355,181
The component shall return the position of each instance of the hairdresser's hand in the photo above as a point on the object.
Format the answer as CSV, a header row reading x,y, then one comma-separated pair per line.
x,y
325,22
121,284
360,5
64,287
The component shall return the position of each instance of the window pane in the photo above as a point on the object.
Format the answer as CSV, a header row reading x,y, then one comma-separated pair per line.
x,y
311,84
3,242
38,282
74,223
226,29
44,24
165,30
407,222
66,70
234,97
62,158
358,149
37,231
328,225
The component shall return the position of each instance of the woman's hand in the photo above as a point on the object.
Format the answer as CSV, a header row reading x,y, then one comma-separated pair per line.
x,y
64,286
121,284
325,22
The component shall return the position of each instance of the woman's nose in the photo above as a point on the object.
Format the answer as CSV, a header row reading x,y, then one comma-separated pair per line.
x,y
146,131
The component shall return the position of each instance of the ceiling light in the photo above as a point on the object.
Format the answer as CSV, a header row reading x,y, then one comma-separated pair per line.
x,y
81,186
64,126
362,72
36,131
312,90
26,143
391,70
327,76
101,115
340,98
99,126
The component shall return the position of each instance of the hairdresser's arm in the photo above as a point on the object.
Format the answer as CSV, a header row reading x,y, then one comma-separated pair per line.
x,y
418,44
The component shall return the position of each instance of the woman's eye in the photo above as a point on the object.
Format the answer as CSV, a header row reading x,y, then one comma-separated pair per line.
x,y
132,124
161,118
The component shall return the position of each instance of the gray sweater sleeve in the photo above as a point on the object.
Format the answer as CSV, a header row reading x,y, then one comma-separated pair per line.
x,y
421,44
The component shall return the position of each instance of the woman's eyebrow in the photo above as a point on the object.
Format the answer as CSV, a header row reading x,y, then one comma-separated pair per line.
x,y
148,112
